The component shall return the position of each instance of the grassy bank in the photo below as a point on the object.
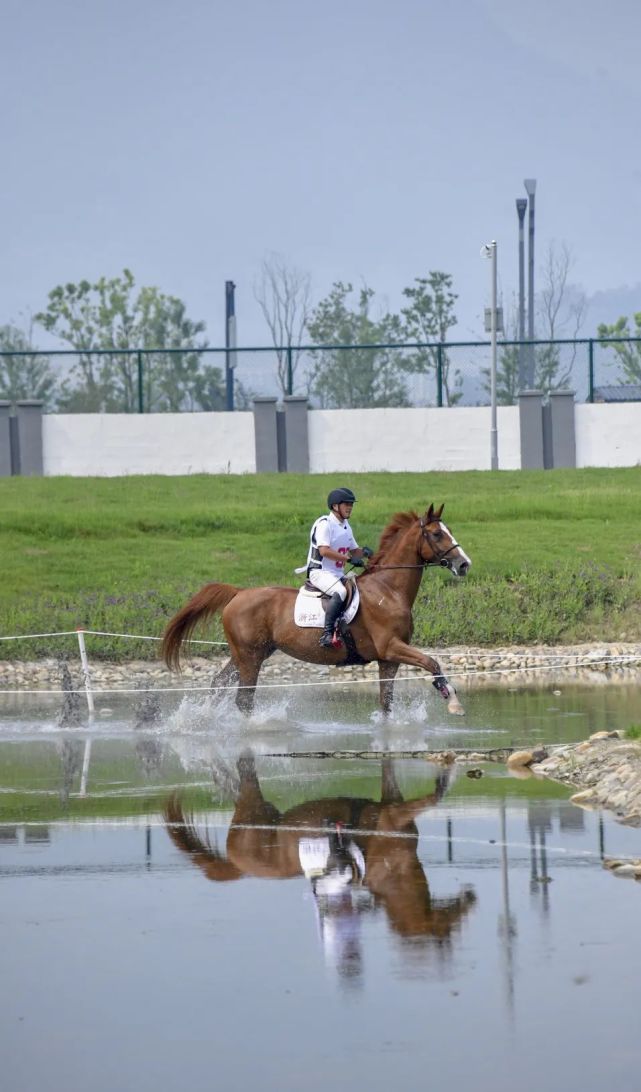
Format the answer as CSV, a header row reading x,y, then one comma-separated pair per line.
x,y
555,553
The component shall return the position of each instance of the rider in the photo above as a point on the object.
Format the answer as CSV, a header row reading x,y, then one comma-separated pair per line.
x,y
332,543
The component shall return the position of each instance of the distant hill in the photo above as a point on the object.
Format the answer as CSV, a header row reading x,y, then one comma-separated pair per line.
x,y
608,305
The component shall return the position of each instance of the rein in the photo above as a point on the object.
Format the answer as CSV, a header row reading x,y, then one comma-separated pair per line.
x,y
440,560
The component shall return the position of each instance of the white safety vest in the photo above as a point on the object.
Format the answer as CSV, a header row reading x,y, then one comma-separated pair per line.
x,y
332,532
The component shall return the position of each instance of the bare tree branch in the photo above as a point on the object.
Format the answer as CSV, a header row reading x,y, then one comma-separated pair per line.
x,y
283,294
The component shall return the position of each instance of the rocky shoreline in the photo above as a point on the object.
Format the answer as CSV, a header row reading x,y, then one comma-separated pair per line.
x,y
469,668
605,769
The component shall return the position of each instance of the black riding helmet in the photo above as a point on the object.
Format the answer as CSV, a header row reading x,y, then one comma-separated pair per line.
x,y
340,496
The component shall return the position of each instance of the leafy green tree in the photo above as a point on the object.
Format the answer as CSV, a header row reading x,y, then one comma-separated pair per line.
x,y
427,317
628,355
363,375
112,316
24,376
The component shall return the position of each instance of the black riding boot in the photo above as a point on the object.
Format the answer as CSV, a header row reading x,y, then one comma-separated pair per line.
x,y
334,609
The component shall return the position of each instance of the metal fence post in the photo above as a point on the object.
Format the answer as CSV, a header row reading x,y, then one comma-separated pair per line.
x,y
141,408
290,371
439,374
5,439
591,370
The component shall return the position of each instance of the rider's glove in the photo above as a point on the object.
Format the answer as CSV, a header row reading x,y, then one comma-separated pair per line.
x,y
357,562
367,552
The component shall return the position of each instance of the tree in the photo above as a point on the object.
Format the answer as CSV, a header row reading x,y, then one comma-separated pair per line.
x,y
362,374
284,296
112,316
24,377
628,355
427,318
561,310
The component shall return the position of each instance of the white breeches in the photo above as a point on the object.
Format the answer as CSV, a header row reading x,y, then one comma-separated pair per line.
x,y
327,582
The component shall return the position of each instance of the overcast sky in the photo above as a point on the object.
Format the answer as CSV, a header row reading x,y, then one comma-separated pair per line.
x,y
363,140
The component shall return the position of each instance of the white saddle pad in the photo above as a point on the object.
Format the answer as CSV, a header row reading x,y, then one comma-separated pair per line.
x,y
309,613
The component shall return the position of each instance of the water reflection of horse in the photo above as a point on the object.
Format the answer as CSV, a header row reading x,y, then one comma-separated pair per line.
x,y
264,842
257,621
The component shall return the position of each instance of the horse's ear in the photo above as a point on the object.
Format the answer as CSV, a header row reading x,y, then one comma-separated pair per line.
x,y
437,515
429,515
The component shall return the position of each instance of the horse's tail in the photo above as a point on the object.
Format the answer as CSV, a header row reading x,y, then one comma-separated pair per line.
x,y
205,603
183,833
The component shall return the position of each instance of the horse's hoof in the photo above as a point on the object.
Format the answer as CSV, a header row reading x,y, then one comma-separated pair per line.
x,y
454,706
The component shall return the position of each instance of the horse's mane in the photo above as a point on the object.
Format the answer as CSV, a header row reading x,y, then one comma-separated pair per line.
x,y
399,523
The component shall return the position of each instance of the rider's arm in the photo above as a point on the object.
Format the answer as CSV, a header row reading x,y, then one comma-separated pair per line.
x,y
334,555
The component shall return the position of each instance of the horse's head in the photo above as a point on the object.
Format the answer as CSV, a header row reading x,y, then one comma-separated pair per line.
x,y
437,546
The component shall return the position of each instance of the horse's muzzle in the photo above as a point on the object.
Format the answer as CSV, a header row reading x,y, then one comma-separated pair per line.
x,y
459,566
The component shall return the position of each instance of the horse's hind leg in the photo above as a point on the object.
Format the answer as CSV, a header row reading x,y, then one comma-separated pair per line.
x,y
386,674
227,678
249,665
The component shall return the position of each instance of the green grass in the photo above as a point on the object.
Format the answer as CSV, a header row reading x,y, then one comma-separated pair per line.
x,y
555,553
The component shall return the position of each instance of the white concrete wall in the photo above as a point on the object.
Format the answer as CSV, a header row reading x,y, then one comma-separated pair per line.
x,y
411,439
340,441
608,434
111,444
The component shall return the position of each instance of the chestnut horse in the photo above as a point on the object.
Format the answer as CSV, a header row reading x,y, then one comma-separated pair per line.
x,y
264,842
257,621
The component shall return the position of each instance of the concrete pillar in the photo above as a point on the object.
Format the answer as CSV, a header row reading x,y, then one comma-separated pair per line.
x,y
265,434
562,428
297,442
29,417
531,426
5,440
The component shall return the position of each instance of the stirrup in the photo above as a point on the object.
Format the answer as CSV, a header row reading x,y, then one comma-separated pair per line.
x,y
327,638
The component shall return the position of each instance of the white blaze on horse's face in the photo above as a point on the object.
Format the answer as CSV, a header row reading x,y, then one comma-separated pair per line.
x,y
455,558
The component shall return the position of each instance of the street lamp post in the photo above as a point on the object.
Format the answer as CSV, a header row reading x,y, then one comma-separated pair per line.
x,y
230,343
489,251
530,187
521,205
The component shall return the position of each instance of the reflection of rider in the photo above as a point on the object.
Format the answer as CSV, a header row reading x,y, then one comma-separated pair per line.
x,y
336,867
332,543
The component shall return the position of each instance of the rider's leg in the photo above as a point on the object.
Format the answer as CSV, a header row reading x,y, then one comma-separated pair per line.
x,y
332,614
335,588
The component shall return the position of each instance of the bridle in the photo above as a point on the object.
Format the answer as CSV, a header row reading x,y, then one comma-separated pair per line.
x,y
437,559
440,559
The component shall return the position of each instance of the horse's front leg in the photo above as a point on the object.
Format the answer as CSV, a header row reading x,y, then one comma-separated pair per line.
x,y
399,652
386,674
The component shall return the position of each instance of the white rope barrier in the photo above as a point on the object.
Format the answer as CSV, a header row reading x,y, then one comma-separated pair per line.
x,y
540,664
609,661
100,633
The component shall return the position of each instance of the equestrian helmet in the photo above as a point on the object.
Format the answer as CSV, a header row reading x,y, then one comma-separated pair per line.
x,y
340,496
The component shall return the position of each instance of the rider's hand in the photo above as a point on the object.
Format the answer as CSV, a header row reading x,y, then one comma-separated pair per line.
x,y
357,562
367,551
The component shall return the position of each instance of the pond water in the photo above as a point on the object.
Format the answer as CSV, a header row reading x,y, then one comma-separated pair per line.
x,y
183,902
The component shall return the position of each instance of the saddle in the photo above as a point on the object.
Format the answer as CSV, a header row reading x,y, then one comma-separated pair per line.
x,y
309,609
309,589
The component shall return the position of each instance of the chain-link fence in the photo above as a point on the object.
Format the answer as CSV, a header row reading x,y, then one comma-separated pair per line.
x,y
330,376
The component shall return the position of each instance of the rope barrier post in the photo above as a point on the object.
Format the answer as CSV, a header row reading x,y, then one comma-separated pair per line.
x,y
85,668
85,768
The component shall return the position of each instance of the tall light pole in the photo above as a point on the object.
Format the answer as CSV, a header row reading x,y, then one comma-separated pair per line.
x,y
489,251
521,205
230,343
530,188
